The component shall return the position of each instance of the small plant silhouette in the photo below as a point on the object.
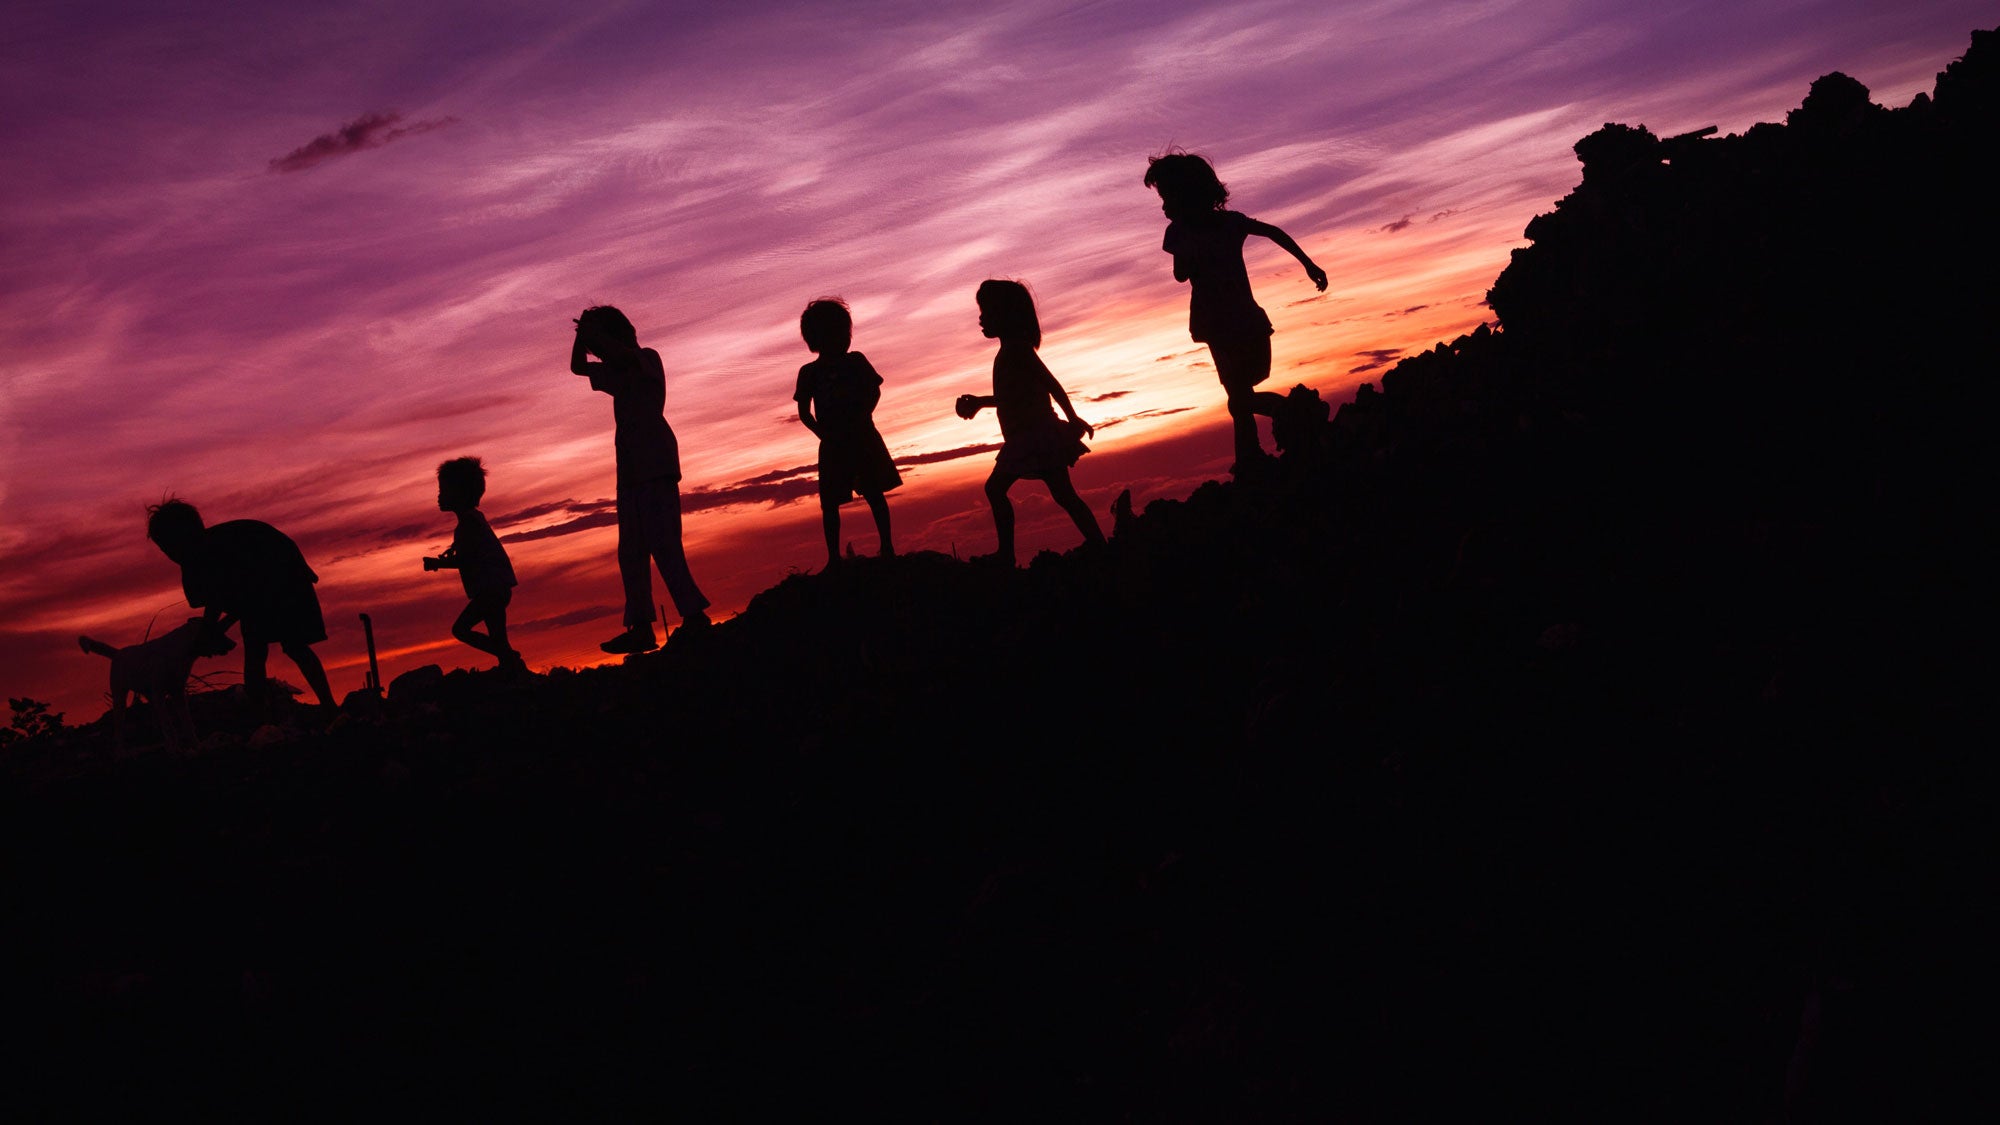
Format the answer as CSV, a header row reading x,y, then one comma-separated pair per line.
x,y
32,720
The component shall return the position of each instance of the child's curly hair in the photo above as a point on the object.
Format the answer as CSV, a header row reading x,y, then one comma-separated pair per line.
x,y
827,325
466,474
1186,179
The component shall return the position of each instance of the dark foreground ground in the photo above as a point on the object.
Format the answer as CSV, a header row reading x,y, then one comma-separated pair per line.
x,y
922,840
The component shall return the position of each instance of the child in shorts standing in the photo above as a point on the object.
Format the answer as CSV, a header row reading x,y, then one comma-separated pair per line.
x,y
837,393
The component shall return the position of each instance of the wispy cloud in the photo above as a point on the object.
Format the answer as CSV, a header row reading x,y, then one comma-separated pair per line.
x,y
941,455
568,527
1377,357
371,130
537,511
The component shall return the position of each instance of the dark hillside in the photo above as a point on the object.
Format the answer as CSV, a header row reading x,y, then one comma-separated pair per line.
x,y
1584,725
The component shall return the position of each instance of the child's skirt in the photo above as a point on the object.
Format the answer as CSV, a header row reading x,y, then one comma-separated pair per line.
x,y
1042,452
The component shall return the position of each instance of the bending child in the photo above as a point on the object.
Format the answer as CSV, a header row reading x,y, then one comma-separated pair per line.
x,y
247,571
1035,444
837,393
1207,244
649,473
483,568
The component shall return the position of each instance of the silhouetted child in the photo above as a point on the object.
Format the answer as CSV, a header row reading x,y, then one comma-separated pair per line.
x,y
837,394
247,571
483,568
1036,445
1207,244
649,473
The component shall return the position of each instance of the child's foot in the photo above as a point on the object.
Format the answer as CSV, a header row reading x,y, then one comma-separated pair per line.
x,y
513,665
693,625
639,638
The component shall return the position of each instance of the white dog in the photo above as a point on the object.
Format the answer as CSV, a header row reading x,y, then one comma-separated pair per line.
x,y
157,670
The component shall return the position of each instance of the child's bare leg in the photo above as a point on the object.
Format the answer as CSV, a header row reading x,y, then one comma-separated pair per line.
x,y
496,630
1079,512
462,628
1241,365
879,505
1243,424
829,518
490,610
1003,511
314,672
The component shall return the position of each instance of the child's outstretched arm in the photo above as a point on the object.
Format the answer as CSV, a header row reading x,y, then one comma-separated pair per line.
x,y
970,405
1284,240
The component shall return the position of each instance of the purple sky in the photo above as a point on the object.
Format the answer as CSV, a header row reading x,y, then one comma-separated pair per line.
x,y
282,261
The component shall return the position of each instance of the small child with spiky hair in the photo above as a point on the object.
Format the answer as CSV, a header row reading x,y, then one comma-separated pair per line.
x,y
481,562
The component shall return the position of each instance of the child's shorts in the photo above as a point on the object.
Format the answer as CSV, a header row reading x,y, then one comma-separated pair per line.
x,y
290,616
1244,361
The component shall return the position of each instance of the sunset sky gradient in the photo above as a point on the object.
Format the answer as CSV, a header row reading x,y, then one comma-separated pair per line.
x,y
282,260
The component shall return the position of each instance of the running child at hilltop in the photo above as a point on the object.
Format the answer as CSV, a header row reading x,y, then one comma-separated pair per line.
x,y
483,568
1206,242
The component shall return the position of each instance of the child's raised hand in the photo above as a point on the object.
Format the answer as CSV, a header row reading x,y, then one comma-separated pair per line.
x,y
1318,277
967,405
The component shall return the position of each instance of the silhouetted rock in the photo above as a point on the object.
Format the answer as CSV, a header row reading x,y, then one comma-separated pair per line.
x,y
418,685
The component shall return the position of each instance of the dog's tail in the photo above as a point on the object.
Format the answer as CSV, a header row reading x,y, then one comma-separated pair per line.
x,y
98,647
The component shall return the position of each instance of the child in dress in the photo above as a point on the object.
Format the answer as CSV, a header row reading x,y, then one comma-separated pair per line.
x,y
837,394
481,562
649,474
1036,445
1207,244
